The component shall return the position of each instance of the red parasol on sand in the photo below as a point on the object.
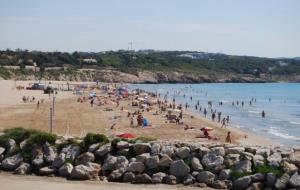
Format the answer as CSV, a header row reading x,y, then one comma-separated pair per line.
x,y
127,135
207,129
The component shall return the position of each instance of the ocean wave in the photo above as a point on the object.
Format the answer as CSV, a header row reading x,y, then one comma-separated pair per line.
x,y
277,133
294,122
252,111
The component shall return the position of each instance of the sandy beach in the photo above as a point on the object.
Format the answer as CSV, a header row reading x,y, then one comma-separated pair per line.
x,y
76,119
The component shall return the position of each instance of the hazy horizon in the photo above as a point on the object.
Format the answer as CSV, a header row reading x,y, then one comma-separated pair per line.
x,y
254,28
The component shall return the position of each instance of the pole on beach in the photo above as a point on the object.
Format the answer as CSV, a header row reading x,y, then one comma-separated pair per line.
x,y
51,122
53,104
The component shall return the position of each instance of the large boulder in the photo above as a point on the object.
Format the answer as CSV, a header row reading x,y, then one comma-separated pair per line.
x,y
12,162
117,174
152,162
71,151
179,169
282,182
218,184
231,159
220,151
295,180
122,162
205,177
242,183
170,179
289,168
10,146
235,150
2,150
155,148
65,170
123,144
167,150
188,180
59,160
258,177
128,177
258,160
265,152
196,165
143,179
243,166
39,159
47,171
50,153
94,147
271,179
136,167
165,161
158,177
183,152
274,159
212,160
295,158
85,158
103,150
142,157
84,172
224,174
109,163
140,148
23,169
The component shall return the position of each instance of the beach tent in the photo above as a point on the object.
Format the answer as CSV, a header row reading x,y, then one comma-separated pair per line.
x,y
145,122
93,94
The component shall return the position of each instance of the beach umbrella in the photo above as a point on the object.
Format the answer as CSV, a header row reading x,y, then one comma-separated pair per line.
x,y
127,135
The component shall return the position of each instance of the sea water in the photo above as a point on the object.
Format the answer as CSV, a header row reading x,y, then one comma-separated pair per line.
x,y
280,101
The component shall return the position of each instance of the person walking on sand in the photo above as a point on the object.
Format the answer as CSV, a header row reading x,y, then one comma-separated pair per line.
x,y
92,102
228,138
38,104
223,123
227,119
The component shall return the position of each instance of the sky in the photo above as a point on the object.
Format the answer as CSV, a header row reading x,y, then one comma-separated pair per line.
x,y
267,28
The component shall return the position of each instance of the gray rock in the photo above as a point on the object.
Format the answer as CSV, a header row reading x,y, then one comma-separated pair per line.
x,y
71,151
59,160
157,178
109,163
143,179
87,171
10,146
155,149
295,180
38,160
170,179
167,150
224,174
251,150
12,162
152,162
231,159
136,167
123,144
196,165
243,166
258,160
46,171
235,150
142,157
117,174
103,150
203,151
218,184
84,158
274,159
132,160
183,152
256,186
50,153
128,177
242,183
188,180
165,161
205,177
282,182
295,158
265,152
212,160
65,170
271,179
179,169
24,168
219,151
2,150
141,148
94,147
246,156
289,168
258,177
122,162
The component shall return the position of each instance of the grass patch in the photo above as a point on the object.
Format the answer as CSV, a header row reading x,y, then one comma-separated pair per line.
x,y
264,169
234,174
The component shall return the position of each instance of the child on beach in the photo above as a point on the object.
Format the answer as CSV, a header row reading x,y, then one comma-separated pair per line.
x,y
228,138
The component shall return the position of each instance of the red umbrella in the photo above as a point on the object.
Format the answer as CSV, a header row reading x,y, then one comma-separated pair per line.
x,y
127,135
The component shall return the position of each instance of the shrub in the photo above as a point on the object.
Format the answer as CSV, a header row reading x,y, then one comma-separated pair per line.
x,y
92,138
236,174
264,169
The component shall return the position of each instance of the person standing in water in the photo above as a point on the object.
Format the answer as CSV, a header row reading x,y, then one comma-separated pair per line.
x,y
204,112
263,114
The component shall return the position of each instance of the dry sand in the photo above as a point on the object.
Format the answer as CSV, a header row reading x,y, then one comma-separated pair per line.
x,y
76,119
12,182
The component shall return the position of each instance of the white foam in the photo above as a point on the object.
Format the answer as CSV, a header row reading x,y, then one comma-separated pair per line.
x,y
294,122
252,111
277,133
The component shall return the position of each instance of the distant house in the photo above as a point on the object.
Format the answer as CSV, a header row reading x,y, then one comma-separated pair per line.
x,y
34,68
90,60
11,67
